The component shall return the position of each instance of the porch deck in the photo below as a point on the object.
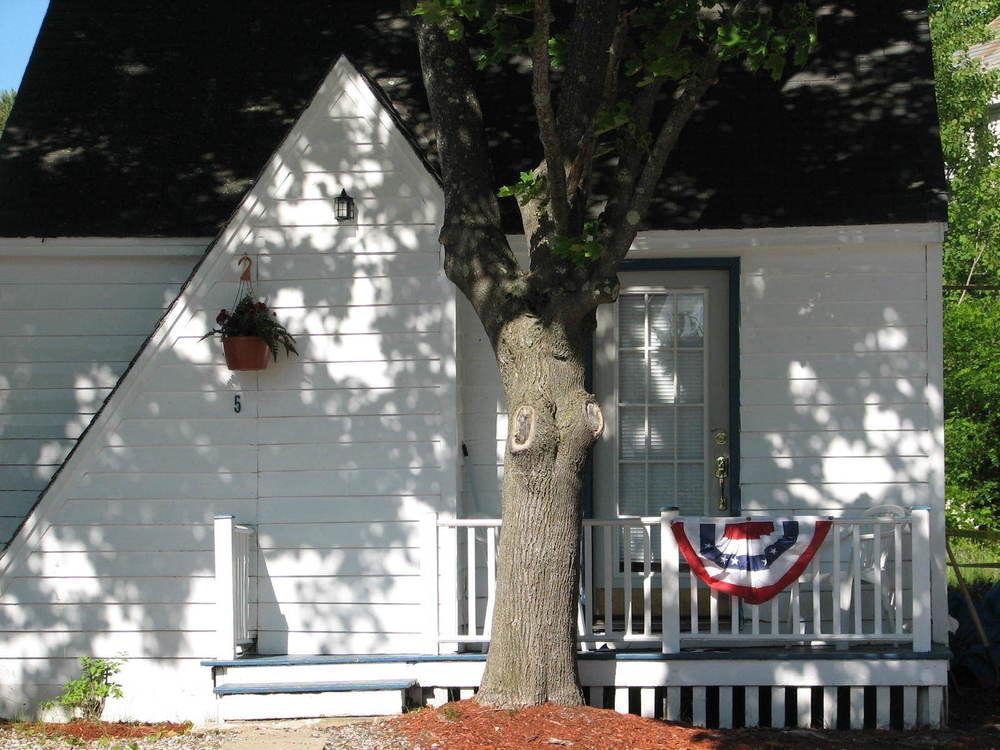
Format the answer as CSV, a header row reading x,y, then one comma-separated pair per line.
x,y
847,642
827,686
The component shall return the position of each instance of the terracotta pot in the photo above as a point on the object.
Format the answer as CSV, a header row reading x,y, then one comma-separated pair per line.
x,y
246,353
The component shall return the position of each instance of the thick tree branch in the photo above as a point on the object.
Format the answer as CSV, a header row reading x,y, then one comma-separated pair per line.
x,y
541,90
582,162
588,46
478,258
686,99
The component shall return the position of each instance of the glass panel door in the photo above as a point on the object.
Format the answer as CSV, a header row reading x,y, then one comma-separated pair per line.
x,y
660,401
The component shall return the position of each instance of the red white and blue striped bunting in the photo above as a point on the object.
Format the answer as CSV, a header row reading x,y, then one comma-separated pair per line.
x,y
754,560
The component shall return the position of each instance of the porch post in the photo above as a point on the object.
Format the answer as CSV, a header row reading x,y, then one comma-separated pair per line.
x,y
670,574
430,590
920,539
225,591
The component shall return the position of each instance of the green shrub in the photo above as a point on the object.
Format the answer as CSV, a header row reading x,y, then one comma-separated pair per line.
x,y
85,696
972,406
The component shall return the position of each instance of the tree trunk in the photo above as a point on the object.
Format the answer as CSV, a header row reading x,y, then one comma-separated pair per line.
x,y
553,423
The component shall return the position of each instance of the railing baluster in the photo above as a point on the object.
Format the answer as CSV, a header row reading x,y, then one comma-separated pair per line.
x,y
796,608
470,543
755,619
856,576
647,580
588,579
835,610
877,574
734,615
713,611
627,570
491,579
776,615
609,579
816,603
694,602
897,565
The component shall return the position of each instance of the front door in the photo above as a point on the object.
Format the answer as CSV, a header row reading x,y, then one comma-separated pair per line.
x,y
662,374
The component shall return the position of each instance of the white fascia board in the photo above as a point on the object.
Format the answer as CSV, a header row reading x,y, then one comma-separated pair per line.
x,y
697,241
60,247
694,242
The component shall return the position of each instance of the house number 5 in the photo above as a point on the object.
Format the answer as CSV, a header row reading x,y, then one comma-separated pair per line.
x,y
237,404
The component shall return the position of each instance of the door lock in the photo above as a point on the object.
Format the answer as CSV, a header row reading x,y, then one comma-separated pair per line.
x,y
722,474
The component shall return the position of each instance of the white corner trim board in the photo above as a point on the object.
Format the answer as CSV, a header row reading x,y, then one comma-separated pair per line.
x,y
342,79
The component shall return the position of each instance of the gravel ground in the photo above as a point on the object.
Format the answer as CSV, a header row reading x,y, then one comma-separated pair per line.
x,y
325,734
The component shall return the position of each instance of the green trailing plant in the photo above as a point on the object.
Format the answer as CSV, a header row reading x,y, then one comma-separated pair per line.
x,y
86,695
252,317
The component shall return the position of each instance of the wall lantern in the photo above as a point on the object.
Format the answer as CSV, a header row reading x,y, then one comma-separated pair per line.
x,y
344,206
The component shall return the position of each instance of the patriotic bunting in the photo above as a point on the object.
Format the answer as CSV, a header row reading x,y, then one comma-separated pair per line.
x,y
754,560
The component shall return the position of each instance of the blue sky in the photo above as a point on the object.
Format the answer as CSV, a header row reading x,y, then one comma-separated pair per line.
x,y
19,22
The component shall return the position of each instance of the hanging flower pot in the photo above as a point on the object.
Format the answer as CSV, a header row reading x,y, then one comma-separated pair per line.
x,y
245,353
251,333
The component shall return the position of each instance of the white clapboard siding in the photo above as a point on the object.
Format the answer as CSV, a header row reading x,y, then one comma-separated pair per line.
x,y
336,589
835,314
832,259
863,365
343,617
362,428
325,509
117,617
347,456
308,563
835,417
833,391
134,511
341,535
354,240
55,426
845,443
103,294
29,451
836,287
826,340
844,494
123,590
71,318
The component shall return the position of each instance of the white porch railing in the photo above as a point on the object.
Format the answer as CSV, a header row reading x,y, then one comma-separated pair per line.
x,y
869,583
235,587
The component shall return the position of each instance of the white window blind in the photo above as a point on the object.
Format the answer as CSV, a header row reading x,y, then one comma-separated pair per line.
x,y
661,402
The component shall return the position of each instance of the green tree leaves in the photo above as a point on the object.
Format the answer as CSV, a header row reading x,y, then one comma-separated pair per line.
x,y
965,90
6,105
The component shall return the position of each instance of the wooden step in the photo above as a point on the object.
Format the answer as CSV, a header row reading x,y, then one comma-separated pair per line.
x,y
302,700
269,688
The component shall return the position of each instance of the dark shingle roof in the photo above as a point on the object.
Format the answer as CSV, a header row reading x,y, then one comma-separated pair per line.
x,y
143,117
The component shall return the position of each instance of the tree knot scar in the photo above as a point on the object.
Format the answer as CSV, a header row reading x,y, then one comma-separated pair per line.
x,y
595,418
523,434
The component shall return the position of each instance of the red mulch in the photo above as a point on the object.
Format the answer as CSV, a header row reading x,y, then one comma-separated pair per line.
x,y
95,730
466,725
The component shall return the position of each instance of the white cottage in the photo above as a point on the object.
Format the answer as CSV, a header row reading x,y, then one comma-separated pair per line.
x,y
319,538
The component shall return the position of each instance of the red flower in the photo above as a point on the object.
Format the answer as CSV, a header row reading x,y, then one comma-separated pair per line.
x,y
222,317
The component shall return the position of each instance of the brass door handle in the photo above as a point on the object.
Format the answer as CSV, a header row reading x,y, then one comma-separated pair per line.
x,y
722,474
